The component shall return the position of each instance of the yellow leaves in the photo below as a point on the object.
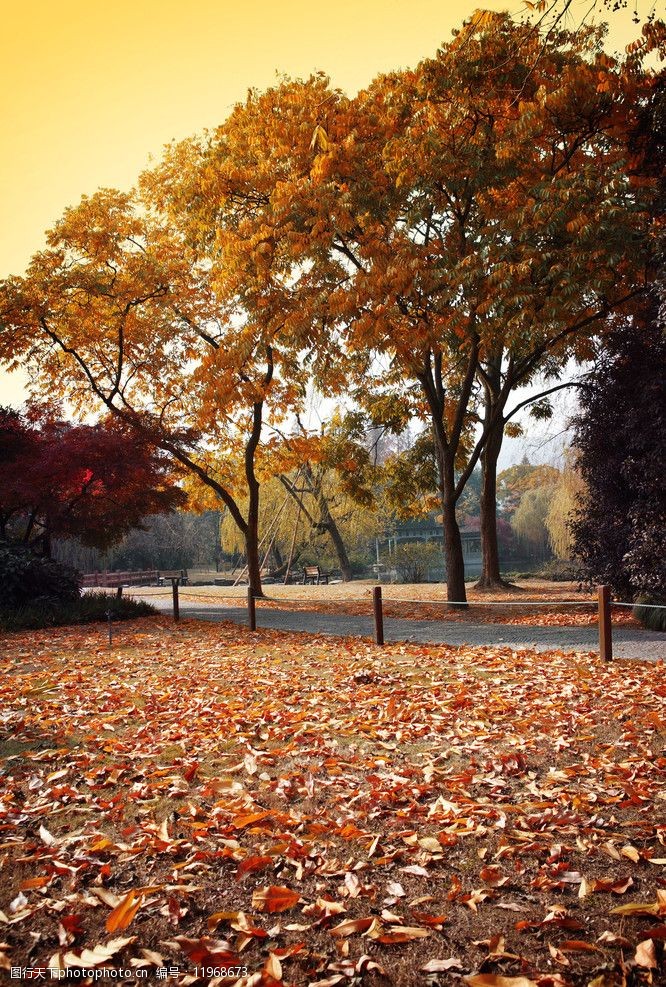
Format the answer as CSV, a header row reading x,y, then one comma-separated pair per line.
x,y
631,853
375,929
320,140
635,908
122,915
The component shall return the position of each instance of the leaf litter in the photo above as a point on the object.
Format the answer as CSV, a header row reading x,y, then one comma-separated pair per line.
x,y
322,811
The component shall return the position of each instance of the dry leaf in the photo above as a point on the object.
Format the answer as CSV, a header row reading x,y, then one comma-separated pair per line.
x,y
274,899
99,954
441,966
646,954
497,980
122,915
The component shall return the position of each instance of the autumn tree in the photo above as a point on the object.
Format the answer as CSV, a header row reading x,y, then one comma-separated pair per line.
x,y
568,493
463,203
515,481
166,309
332,475
94,483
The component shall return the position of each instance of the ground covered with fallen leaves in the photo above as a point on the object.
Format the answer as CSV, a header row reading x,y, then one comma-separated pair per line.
x,y
203,804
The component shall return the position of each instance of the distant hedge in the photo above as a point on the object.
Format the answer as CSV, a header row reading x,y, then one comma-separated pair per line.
x,y
82,610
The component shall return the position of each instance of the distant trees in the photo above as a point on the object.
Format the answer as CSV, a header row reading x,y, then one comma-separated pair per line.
x,y
94,483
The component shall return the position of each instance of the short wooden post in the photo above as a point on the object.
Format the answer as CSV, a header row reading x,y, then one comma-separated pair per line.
x,y
119,593
378,614
176,607
605,632
251,610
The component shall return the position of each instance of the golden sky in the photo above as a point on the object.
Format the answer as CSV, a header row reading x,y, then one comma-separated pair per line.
x,y
89,90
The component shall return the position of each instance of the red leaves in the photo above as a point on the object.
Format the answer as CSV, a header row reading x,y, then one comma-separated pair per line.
x,y
207,951
252,864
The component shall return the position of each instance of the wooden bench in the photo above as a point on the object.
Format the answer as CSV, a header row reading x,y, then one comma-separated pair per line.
x,y
313,574
171,574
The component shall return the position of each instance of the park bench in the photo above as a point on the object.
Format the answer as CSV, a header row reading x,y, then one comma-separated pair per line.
x,y
171,574
313,574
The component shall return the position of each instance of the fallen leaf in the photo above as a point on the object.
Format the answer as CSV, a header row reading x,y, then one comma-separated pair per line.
x,y
351,926
252,864
497,980
99,954
441,966
646,954
274,899
122,915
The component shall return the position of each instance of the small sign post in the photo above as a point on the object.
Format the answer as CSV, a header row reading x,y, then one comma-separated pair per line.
x,y
378,614
605,631
174,588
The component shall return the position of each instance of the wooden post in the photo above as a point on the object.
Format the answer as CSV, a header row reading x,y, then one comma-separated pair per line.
x,y
605,632
176,608
378,615
251,610
119,593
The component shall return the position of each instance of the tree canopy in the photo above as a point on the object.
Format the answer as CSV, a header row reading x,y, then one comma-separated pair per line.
x,y
452,233
93,483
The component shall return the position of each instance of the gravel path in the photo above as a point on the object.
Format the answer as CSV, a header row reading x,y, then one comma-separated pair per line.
x,y
627,642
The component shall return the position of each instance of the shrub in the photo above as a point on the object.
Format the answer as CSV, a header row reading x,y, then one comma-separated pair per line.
x,y
82,610
30,579
559,571
650,616
413,559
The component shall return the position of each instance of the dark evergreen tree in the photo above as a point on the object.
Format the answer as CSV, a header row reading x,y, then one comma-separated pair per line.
x,y
620,530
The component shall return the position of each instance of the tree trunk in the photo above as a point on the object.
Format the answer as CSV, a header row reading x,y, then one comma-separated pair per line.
x,y
453,550
329,523
253,563
491,576
445,458
494,401
340,550
251,534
